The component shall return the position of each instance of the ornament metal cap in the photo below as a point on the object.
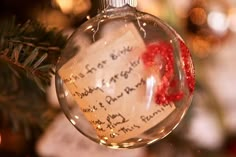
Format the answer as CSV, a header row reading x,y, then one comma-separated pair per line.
x,y
117,3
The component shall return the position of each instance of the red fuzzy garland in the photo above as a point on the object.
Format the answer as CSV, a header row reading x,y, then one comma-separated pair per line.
x,y
159,56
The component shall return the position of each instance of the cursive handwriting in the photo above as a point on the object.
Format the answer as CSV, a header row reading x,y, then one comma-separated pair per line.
x,y
115,120
87,91
147,118
122,74
126,91
90,109
91,69
98,125
119,53
110,99
97,122
102,106
113,79
128,129
74,77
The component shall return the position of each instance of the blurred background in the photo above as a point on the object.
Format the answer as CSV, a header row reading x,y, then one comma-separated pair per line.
x,y
208,130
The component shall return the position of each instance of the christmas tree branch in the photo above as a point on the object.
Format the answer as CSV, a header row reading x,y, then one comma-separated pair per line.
x,y
32,65
31,49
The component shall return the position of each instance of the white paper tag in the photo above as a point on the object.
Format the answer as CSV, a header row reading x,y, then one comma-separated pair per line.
x,y
112,87
61,139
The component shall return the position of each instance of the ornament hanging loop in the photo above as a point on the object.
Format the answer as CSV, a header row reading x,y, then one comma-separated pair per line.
x,y
117,3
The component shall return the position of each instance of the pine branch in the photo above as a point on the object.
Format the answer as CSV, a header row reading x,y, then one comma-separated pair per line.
x,y
28,54
30,48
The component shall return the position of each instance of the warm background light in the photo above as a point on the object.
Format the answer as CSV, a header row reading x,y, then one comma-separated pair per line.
x,y
75,7
65,5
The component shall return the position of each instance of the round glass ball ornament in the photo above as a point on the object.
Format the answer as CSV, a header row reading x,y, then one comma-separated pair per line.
x,y
125,78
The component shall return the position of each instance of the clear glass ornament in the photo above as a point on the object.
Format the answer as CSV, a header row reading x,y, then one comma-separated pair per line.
x,y
125,78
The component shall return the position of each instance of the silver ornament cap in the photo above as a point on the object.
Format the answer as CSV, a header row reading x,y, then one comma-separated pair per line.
x,y
117,3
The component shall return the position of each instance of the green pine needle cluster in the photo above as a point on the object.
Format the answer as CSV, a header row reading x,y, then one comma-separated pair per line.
x,y
30,48
28,55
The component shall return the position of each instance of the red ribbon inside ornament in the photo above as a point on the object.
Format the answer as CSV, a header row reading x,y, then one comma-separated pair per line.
x,y
159,57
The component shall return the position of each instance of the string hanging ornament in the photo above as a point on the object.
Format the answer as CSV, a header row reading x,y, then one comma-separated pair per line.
x,y
125,78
